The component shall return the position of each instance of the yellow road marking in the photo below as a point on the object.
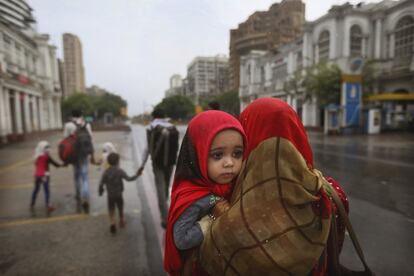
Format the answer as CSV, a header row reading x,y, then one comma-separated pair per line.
x,y
16,186
15,165
43,220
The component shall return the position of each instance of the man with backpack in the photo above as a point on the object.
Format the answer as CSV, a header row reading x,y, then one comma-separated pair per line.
x,y
162,145
79,148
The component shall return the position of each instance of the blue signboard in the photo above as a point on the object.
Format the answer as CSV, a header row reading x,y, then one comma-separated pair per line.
x,y
352,104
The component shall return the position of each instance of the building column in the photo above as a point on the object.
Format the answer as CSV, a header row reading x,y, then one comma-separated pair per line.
x,y
28,118
18,114
35,114
310,113
58,113
3,117
41,115
377,50
6,98
51,113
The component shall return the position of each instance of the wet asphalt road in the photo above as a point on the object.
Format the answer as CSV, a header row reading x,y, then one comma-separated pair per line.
x,y
375,171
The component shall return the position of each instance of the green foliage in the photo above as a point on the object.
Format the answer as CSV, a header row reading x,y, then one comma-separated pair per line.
x,y
229,102
78,101
95,106
177,107
370,74
323,81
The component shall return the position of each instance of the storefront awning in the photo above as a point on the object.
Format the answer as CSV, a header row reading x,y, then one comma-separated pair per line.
x,y
391,97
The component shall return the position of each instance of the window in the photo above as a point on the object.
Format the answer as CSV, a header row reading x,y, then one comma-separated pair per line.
x,y
404,40
356,41
323,46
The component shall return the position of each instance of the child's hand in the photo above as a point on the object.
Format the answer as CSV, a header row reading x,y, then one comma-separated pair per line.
x,y
220,208
100,191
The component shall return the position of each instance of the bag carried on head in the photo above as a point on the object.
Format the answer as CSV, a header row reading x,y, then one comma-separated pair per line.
x,y
163,145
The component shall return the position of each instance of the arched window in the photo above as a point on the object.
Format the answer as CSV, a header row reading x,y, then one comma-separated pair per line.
x,y
323,46
356,41
404,40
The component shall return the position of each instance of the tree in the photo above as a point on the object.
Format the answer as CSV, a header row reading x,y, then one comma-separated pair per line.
x,y
77,101
229,102
323,81
177,107
95,106
370,75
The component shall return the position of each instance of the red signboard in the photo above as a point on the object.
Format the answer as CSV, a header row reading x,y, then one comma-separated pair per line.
x,y
23,79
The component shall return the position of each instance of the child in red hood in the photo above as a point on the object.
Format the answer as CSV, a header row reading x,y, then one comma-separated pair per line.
x,y
209,161
42,177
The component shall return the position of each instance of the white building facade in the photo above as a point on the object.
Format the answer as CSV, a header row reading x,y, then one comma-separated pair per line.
x,y
176,86
207,77
349,36
30,92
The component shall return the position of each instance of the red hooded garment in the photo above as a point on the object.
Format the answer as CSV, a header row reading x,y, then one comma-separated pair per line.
x,y
194,182
269,117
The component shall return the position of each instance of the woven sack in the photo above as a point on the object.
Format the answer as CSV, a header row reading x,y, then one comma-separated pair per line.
x,y
270,228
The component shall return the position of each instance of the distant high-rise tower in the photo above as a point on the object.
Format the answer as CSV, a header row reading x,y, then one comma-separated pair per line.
x,y
73,64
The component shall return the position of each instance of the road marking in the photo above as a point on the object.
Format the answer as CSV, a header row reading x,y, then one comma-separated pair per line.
x,y
23,186
43,220
15,165
15,186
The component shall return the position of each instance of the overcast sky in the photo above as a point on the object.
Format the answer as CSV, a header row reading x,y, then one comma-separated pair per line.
x,y
132,47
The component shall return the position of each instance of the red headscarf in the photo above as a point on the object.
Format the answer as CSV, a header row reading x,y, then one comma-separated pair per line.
x,y
269,117
201,131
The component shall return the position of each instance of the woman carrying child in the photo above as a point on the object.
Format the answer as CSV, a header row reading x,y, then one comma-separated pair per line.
x,y
267,119
209,161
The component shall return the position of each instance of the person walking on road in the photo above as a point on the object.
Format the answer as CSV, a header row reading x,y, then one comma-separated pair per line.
x,y
84,150
112,180
42,177
162,145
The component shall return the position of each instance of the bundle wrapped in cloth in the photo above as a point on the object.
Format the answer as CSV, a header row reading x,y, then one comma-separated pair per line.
x,y
272,227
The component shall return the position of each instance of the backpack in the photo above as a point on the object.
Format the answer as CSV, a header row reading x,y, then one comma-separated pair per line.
x,y
67,150
163,145
84,145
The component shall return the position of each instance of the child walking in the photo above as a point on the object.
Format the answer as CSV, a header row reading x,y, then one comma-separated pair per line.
x,y
42,177
112,179
209,161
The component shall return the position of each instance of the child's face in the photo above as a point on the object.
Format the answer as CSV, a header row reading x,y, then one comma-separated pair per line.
x,y
225,156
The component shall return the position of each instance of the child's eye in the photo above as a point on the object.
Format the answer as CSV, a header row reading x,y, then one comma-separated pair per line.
x,y
238,154
216,155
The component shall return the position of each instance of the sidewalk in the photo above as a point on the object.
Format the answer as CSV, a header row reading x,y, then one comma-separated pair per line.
x,y
67,242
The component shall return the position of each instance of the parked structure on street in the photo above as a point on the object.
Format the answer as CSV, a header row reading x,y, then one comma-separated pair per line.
x,y
30,90
378,37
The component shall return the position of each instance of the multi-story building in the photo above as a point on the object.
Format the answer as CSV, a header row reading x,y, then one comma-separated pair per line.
x,y
265,30
176,86
380,34
73,64
207,77
30,91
